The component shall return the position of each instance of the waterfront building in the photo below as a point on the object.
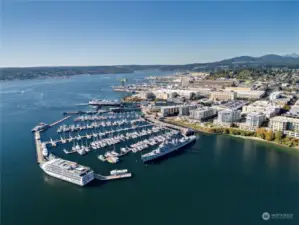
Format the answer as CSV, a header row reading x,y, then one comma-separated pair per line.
x,y
202,113
269,109
169,110
223,95
283,123
228,116
255,119
182,110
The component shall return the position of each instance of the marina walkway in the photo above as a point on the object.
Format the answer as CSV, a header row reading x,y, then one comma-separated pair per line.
x,y
38,145
59,121
112,177
150,119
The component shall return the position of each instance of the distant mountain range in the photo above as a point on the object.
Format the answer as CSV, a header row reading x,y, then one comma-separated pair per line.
x,y
268,61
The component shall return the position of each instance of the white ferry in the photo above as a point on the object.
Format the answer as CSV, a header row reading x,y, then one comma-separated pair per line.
x,y
68,171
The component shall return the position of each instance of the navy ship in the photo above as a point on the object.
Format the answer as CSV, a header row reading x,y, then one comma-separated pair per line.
x,y
168,147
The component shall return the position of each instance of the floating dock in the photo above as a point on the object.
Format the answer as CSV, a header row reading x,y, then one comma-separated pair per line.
x,y
112,177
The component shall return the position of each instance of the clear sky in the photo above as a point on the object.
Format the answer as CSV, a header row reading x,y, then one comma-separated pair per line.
x,y
40,33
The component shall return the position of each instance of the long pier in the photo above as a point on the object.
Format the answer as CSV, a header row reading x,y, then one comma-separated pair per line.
x,y
112,177
59,121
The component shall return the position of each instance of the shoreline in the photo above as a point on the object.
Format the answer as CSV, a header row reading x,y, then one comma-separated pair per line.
x,y
202,130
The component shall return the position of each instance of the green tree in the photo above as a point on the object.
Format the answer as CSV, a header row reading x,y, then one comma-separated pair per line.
x,y
286,107
278,135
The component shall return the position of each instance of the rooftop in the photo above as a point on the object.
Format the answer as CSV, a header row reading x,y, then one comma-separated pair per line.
x,y
285,119
69,166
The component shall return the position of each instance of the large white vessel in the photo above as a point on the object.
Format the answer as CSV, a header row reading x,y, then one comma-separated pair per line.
x,y
68,171
168,147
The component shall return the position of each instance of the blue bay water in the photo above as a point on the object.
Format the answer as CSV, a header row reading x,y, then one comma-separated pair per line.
x,y
218,180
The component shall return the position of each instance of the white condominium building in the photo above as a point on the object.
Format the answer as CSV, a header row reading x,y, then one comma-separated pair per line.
x,y
254,119
265,107
202,113
282,123
228,116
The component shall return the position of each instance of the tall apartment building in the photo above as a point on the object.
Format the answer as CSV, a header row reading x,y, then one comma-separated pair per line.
x,y
223,95
283,123
254,119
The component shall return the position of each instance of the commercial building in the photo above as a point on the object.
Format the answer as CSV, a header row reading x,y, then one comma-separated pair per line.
x,y
213,83
269,109
223,95
202,90
295,109
254,119
275,95
170,93
246,93
202,113
283,123
228,116
234,105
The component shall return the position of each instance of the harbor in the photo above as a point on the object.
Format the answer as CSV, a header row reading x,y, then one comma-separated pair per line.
x,y
217,157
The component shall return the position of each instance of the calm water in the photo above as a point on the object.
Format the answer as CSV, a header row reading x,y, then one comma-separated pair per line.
x,y
218,180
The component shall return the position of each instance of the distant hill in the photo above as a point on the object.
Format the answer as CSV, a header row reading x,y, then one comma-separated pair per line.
x,y
242,61
293,55
290,60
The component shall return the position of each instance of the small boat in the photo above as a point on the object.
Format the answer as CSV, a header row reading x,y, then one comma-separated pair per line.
x,y
118,172
102,158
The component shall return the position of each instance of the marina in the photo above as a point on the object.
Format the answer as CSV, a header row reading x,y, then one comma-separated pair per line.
x,y
109,131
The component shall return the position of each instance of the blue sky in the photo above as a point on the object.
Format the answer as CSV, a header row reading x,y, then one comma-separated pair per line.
x,y
40,33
